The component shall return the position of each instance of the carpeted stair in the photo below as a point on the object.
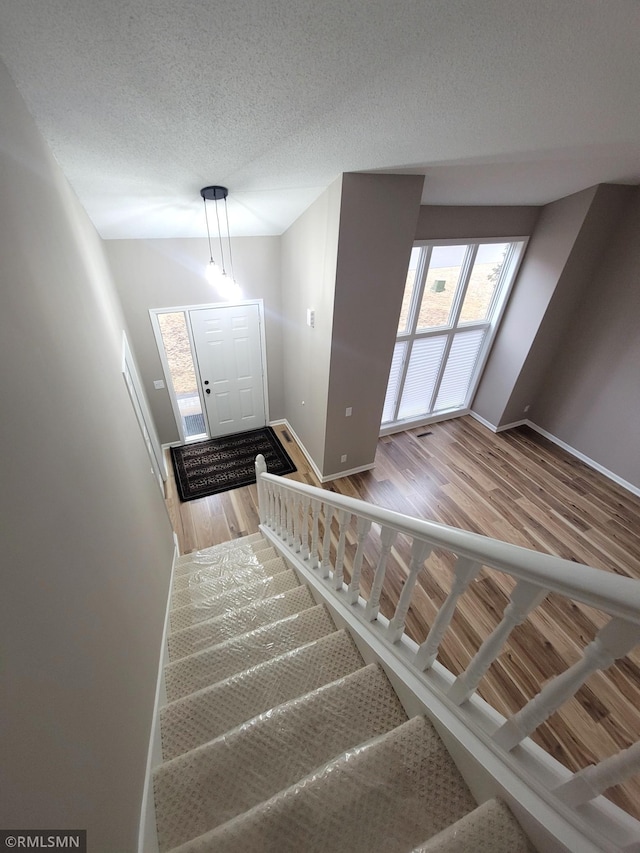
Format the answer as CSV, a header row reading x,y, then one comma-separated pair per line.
x,y
278,737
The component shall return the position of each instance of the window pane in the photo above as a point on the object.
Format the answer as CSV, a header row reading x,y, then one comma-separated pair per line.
x,y
394,382
183,377
422,373
408,290
483,282
441,284
462,360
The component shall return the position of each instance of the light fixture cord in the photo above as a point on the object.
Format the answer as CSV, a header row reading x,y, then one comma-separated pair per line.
x,y
226,213
224,272
206,219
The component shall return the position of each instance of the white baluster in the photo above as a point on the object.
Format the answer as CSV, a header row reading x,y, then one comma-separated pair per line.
x,y
615,640
315,512
276,510
524,598
304,527
465,571
326,544
363,526
282,516
387,538
297,539
272,506
338,572
288,502
592,781
419,553
261,468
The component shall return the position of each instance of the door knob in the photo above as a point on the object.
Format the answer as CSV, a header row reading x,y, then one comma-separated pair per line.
x,y
207,390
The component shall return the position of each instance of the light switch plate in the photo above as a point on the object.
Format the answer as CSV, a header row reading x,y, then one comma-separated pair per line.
x,y
158,384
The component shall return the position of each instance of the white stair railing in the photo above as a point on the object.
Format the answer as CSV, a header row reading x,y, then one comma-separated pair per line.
x,y
282,501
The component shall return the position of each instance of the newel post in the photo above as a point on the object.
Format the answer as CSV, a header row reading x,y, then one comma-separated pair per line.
x,y
261,468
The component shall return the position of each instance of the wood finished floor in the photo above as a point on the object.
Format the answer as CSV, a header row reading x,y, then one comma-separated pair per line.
x,y
519,488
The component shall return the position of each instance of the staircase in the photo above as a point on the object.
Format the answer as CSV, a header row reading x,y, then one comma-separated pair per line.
x,y
277,736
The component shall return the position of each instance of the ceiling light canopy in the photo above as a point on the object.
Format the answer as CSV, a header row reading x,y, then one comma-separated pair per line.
x,y
217,275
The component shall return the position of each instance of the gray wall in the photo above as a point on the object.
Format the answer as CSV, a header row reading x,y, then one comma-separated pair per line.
x,y
546,257
444,222
377,225
166,273
86,541
595,235
309,253
591,394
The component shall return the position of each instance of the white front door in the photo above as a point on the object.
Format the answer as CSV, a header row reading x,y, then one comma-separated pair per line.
x,y
229,354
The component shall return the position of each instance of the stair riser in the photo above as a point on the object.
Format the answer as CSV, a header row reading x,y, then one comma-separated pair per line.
x,y
222,628
195,672
183,617
199,718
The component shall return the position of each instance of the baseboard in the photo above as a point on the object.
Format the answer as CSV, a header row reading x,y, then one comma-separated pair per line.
x,y
147,835
586,459
321,477
500,428
349,472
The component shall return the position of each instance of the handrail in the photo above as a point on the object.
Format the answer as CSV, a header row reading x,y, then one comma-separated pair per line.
x,y
289,516
618,596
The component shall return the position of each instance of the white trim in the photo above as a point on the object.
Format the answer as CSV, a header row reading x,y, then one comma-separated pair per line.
x,y
143,414
349,472
306,453
635,490
495,428
147,833
517,247
402,426
525,777
186,310
321,478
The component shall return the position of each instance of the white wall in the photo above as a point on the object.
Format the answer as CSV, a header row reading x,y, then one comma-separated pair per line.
x,y
165,273
85,540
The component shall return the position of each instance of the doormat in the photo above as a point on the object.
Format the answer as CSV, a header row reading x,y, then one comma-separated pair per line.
x,y
219,464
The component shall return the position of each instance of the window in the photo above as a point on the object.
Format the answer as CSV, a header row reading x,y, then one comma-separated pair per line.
x,y
453,300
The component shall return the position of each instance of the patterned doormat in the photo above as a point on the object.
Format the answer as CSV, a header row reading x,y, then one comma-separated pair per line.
x,y
208,467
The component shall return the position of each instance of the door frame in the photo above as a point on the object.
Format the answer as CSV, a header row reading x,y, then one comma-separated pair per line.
x,y
186,309
143,415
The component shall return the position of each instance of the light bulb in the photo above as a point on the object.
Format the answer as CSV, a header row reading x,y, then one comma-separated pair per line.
x,y
212,273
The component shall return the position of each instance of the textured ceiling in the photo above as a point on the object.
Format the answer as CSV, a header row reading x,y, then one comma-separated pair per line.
x,y
502,101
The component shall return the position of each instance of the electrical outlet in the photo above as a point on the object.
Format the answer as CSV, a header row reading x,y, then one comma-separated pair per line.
x,y
343,458
348,412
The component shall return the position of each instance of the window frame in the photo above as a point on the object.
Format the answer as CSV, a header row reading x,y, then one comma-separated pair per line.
x,y
495,312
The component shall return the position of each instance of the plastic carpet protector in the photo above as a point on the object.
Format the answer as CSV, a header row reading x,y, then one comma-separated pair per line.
x,y
233,773
278,737
388,794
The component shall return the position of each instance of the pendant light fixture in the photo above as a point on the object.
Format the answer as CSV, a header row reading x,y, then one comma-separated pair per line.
x,y
218,276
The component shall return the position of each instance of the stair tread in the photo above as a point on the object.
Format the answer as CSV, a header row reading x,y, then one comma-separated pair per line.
x,y
387,795
252,538
197,637
220,661
211,784
233,599
223,557
203,716
201,581
490,828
